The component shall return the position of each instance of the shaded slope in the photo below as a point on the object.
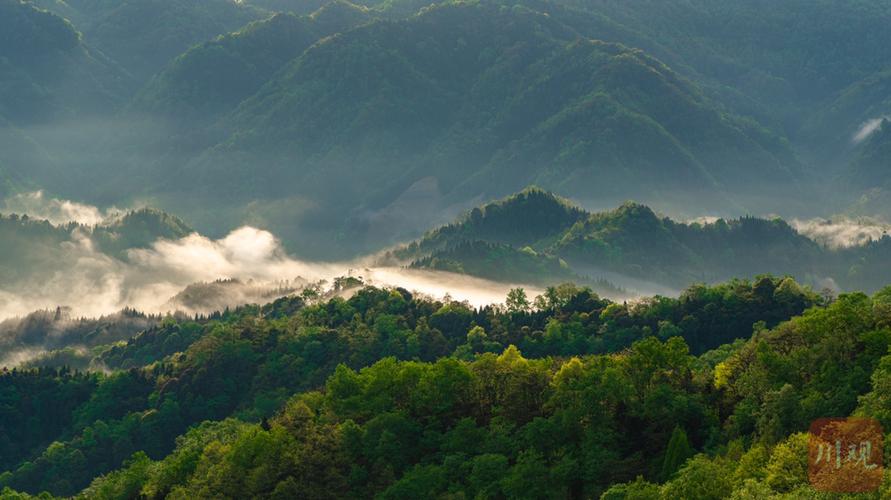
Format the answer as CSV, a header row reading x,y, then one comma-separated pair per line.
x,y
144,35
47,76
483,99
214,77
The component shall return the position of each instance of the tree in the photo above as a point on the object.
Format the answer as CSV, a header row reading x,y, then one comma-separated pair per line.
x,y
487,472
530,478
517,301
788,465
677,452
637,490
701,478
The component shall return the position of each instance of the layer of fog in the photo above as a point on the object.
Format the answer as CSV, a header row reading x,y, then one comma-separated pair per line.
x,y
703,220
634,287
836,232
37,205
19,357
841,232
149,278
29,337
162,278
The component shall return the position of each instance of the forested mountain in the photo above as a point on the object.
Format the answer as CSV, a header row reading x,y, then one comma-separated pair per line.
x,y
790,66
170,116
142,36
249,362
544,238
68,338
545,218
361,137
47,75
213,78
674,347
478,99
393,396
47,71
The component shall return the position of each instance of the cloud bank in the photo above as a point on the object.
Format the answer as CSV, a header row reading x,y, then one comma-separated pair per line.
x,y
35,204
841,232
93,283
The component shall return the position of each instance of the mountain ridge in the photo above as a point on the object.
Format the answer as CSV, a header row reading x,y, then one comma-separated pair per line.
x,y
456,93
634,242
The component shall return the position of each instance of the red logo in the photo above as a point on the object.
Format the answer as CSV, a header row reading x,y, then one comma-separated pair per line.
x,y
845,454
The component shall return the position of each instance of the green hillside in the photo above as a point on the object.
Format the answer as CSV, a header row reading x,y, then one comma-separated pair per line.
x,y
299,7
867,171
142,36
679,346
779,63
48,76
406,384
46,71
706,103
545,217
447,107
213,78
484,99
634,240
836,127
545,239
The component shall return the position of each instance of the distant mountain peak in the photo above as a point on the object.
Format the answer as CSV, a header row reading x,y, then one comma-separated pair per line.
x,y
148,216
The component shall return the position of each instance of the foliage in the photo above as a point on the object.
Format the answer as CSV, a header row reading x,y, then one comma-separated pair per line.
x,y
249,362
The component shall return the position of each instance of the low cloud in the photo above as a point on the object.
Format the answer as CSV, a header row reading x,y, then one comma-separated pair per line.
x,y
841,232
867,128
93,283
19,356
704,220
37,205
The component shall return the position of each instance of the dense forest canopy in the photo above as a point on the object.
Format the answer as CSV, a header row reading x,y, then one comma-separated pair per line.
x,y
389,394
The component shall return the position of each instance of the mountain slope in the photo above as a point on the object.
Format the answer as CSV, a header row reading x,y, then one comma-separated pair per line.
x,y
871,167
445,107
214,77
868,173
407,391
545,239
482,99
544,217
169,120
48,77
46,72
144,35
774,61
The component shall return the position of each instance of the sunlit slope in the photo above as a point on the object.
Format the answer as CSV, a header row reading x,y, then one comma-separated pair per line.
x,y
214,77
537,234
